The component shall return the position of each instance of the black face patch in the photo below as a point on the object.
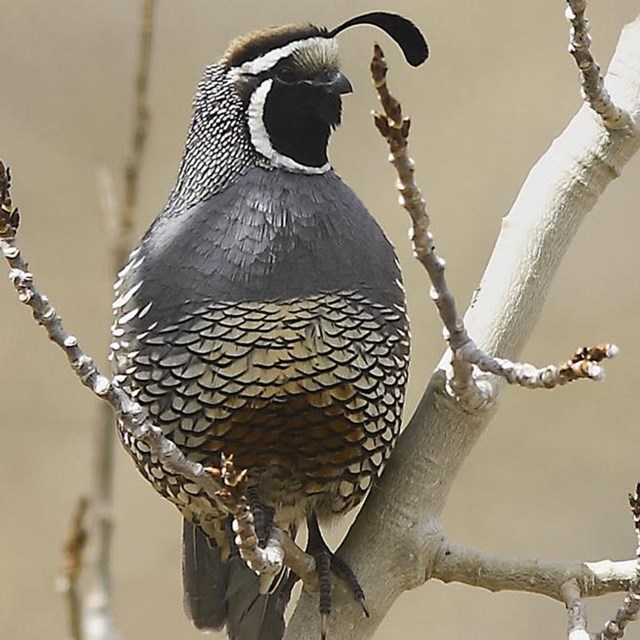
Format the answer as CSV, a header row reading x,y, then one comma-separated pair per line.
x,y
298,117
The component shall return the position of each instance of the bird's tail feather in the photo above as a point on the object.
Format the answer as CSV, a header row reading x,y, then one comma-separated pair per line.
x,y
221,592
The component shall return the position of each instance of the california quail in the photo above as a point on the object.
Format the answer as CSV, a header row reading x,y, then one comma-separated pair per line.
x,y
263,315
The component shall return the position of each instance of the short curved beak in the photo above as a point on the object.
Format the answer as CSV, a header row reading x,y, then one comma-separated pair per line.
x,y
339,84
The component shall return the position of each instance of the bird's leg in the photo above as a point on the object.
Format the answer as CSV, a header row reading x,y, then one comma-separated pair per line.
x,y
328,562
262,516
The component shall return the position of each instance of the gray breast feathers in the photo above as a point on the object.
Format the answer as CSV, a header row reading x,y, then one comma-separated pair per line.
x,y
272,235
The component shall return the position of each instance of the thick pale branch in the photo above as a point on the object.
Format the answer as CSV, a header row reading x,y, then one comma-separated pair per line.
x,y
397,534
567,582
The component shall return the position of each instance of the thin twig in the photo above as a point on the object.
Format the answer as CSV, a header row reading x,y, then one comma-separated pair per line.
x,y
394,128
592,86
584,364
473,393
120,220
127,411
73,554
216,487
576,612
628,612
123,225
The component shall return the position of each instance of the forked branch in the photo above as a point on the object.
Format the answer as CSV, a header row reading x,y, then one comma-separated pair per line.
x,y
465,353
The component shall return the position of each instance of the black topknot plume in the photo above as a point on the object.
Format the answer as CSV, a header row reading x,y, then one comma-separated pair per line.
x,y
403,31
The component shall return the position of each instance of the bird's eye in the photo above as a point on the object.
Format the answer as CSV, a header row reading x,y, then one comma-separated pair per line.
x,y
286,74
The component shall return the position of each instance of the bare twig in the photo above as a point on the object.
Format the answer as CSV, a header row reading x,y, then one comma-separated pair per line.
x,y
576,612
73,554
394,128
222,488
592,85
127,411
584,364
628,612
98,608
300,562
473,393
122,226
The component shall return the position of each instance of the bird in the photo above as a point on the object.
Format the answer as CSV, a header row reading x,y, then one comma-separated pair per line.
x,y
263,316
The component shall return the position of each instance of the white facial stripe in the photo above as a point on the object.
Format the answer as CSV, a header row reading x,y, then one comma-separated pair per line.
x,y
270,59
260,137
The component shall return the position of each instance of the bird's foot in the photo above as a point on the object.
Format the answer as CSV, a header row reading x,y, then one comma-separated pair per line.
x,y
327,563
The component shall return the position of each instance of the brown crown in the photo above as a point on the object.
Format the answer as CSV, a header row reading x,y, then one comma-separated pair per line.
x,y
257,43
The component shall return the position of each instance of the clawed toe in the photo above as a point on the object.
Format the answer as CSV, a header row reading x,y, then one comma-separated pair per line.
x,y
341,569
328,562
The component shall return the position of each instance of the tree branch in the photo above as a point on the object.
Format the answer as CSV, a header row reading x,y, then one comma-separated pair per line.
x,y
594,91
576,612
98,610
394,128
127,411
457,563
73,553
398,533
614,629
221,488
473,394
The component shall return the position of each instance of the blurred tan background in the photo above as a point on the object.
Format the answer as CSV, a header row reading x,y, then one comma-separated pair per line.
x,y
550,476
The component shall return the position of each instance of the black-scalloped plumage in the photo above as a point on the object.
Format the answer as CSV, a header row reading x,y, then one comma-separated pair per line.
x,y
263,316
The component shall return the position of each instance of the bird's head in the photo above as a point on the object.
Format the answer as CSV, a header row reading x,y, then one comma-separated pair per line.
x,y
290,84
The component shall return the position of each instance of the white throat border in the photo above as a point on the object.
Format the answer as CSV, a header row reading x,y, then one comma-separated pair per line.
x,y
260,136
